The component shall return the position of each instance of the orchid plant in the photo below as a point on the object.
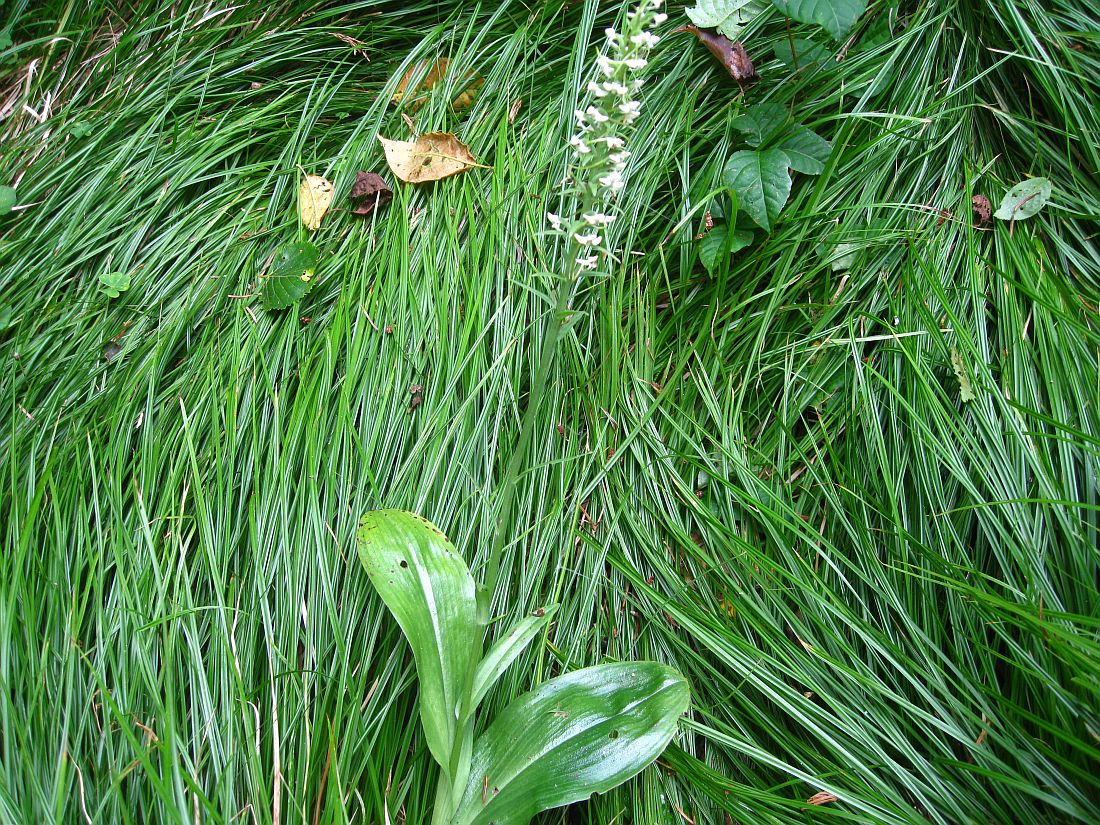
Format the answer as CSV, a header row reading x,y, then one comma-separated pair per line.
x,y
587,730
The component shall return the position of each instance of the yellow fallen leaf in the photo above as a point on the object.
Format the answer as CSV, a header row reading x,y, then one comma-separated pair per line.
x,y
410,86
314,197
430,157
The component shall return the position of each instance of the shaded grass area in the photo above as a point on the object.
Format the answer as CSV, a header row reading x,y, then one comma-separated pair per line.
x,y
767,477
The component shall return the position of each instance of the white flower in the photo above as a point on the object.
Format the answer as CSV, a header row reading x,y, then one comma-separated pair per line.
x,y
597,218
635,64
631,107
612,142
589,239
645,39
582,118
555,221
596,89
619,160
613,180
596,115
587,263
579,144
611,35
605,65
659,18
615,87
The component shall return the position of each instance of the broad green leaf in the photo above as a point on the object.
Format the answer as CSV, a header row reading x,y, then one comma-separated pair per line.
x,y
762,183
835,16
427,586
505,651
729,17
761,123
714,244
290,275
576,735
806,54
1024,200
8,199
806,150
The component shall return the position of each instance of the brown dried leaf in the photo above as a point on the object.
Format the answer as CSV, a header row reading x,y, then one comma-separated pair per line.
x,y
428,76
314,197
982,208
731,55
433,156
371,192
822,798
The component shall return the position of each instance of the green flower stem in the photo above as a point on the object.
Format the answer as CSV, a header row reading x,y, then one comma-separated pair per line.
x,y
512,469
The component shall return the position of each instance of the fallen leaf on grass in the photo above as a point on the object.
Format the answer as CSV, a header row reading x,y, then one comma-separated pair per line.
x,y
1024,200
730,54
370,192
314,197
982,209
433,156
290,275
420,77
966,391
822,798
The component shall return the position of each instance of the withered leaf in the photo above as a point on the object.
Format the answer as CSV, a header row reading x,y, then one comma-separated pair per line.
x,y
314,196
982,208
432,156
370,192
731,55
420,77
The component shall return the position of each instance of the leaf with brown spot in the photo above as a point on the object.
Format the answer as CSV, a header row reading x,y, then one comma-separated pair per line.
x,y
433,156
369,192
420,77
314,196
731,55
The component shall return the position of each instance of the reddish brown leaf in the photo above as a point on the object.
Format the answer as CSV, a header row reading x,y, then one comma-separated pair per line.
x,y
982,208
370,191
732,56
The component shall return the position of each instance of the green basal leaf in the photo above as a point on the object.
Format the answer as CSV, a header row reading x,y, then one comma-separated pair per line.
x,y
505,651
835,16
719,242
762,183
576,735
806,150
1024,200
729,17
427,586
8,199
762,123
290,275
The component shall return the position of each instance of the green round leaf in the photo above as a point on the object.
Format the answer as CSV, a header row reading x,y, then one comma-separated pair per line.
x,y
1024,200
7,199
290,275
114,283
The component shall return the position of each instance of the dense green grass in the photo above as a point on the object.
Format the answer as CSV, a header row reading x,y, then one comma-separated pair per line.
x,y
766,477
